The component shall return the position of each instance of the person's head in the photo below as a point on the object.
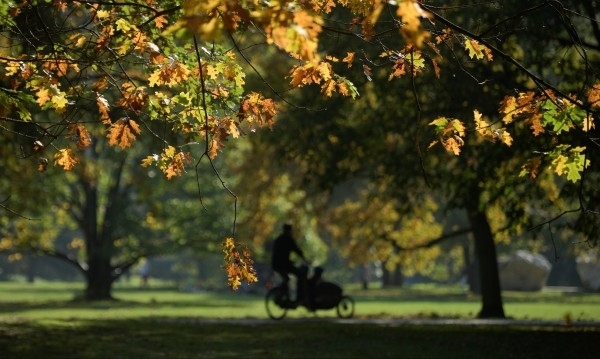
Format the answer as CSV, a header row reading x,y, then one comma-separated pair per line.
x,y
287,228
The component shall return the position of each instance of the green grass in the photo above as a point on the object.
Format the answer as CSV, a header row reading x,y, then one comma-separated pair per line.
x,y
43,320
50,300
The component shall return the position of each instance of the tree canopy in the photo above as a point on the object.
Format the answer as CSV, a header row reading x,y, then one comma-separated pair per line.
x,y
78,72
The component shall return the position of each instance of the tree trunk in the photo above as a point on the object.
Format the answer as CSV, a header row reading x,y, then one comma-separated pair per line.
x,y
30,264
471,269
392,278
485,251
99,277
99,238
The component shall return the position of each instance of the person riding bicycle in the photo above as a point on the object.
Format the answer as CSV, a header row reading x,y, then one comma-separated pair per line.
x,y
283,246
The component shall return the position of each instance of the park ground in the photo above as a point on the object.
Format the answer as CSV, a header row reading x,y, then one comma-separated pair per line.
x,y
43,320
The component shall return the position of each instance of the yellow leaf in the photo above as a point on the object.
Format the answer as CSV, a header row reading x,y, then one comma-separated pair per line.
x,y
482,127
343,88
234,282
43,96
508,107
475,49
148,161
506,138
560,164
328,88
77,243
81,40
238,266
458,127
59,101
102,14
66,159
325,70
588,123
411,13
433,143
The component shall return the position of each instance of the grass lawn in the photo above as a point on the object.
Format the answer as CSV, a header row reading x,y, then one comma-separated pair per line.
x,y
41,320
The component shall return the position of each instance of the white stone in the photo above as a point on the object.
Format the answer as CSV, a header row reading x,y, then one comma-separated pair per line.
x,y
524,271
588,268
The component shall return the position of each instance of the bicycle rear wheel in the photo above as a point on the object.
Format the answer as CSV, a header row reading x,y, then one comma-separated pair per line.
x,y
275,302
345,308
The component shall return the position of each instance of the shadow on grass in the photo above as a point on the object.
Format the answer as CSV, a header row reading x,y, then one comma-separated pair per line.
x,y
459,295
16,307
153,338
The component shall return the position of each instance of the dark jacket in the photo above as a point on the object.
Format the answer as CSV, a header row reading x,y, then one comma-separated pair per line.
x,y
283,246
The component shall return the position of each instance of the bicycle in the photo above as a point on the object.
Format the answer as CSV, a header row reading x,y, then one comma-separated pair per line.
x,y
327,295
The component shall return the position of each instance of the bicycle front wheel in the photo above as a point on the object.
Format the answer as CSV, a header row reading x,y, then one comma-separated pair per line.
x,y
345,308
275,301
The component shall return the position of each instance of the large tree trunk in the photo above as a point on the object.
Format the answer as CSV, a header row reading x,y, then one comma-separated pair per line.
x,y
485,250
99,276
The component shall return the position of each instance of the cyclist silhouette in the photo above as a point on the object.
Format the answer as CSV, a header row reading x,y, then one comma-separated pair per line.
x,y
283,246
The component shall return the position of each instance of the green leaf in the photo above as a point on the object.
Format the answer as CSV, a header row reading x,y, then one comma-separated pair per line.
x,y
573,170
569,162
123,25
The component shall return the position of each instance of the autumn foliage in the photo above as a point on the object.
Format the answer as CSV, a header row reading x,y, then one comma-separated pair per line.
x,y
110,70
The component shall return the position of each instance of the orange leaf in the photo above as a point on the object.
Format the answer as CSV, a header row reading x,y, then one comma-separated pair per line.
x,y
103,109
123,132
594,95
536,124
349,59
43,96
160,22
80,134
42,164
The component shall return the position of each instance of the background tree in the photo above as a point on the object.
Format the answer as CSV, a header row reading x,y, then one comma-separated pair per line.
x,y
337,149
101,54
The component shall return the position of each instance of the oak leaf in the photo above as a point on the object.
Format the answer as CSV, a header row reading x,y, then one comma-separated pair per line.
x,y
238,265
328,87
505,137
160,22
43,96
481,126
59,101
536,124
122,133
103,109
531,168
349,59
65,158
594,95
453,144
80,134
149,160
475,49
411,13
